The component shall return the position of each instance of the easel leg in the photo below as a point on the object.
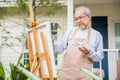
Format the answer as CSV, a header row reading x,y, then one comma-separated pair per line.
x,y
46,56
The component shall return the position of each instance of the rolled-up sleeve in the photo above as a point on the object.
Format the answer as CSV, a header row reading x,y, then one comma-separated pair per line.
x,y
61,45
96,54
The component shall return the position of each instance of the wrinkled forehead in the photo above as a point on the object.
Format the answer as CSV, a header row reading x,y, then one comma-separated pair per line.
x,y
79,12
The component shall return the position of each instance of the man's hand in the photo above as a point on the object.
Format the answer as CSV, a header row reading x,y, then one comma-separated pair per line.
x,y
84,49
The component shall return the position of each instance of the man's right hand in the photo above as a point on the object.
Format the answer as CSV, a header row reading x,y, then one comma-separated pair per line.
x,y
52,37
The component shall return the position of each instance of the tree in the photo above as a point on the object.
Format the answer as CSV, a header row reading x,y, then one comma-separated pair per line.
x,y
22,6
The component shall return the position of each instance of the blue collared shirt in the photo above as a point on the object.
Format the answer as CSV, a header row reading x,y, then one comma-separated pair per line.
x,y
95,43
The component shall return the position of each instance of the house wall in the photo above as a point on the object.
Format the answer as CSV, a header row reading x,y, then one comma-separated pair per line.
x,y
104,9
11,40
60,17
100,9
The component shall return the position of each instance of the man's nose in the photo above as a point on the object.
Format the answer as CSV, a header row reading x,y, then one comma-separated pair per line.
x,y
79,20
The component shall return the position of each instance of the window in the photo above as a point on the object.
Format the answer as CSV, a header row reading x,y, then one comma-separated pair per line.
x,y
54,28
54,32
117,36
26,58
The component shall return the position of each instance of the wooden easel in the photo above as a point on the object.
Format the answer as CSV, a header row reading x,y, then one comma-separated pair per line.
x,y
35,63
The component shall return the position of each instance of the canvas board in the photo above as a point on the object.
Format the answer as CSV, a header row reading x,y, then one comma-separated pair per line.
x,y
46,29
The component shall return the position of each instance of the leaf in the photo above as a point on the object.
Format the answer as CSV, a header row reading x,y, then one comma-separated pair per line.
x,y
19,59
2,73
13,75
27,73
87,72
22,6
3,12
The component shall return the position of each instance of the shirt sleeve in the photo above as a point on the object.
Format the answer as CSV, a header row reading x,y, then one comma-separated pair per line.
x,y
97,53
61,45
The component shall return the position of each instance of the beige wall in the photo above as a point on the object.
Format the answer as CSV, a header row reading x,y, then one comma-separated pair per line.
x,y
60,17
108,9
112,10
103,9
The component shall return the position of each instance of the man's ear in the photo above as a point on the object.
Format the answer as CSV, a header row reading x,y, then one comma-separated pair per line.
x,y
89,16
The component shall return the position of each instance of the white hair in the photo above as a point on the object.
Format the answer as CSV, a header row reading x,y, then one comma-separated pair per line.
x,y
86,10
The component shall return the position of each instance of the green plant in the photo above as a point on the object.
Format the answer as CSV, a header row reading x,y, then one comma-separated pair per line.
x,y
22,6
15,73
87,72
27,73
52,8
54,28
3,11
2,72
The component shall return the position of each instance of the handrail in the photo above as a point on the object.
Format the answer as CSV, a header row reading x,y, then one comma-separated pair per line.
x,y
111,49
109,52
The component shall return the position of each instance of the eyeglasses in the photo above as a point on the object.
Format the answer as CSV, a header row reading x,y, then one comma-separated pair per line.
x,y
80,17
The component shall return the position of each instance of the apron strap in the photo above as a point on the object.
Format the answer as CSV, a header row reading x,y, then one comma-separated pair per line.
x,y
89,32
74,33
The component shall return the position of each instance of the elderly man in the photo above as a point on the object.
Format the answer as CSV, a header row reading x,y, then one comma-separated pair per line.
x,y
83,45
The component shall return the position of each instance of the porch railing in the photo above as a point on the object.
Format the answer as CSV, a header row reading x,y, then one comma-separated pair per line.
x,y
112,63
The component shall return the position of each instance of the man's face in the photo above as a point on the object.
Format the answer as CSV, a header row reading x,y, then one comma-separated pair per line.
x,y
81,19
